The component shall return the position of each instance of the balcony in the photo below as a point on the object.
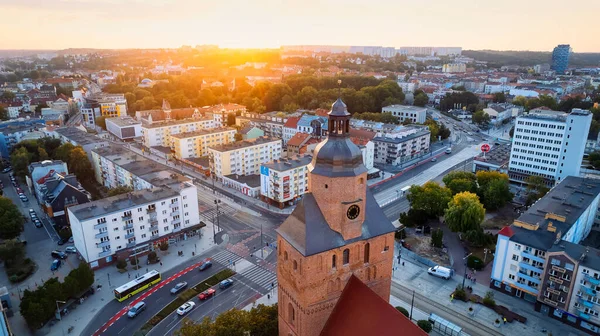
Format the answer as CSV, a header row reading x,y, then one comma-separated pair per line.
x,y
589,291
129,245
176,221
174,205
104,254
103,244
530,267
584,315
585,302
129,235
127,226
527,277
101,235
592,280
151,211
526,254
153,221
153,227
100,226
526,288
126,217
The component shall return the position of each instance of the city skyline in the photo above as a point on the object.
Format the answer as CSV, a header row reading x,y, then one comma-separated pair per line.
x,y
108,24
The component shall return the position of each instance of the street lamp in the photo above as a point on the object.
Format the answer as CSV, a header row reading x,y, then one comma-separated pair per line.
x,y
217,202
465,274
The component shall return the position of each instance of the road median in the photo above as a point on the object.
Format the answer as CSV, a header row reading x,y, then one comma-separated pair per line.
x,y
184,297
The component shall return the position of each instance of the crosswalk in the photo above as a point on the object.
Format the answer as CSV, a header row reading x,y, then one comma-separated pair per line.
x,y
211,213
260,276
225,258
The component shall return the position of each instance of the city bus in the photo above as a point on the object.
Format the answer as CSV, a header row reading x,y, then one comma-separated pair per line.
x,y
137,285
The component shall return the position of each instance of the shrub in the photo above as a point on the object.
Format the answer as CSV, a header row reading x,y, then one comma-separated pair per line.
x,y
399,235
133,261
121,264
460,293
403,311
163,246
425,325
65,233
488,300
437,238
152,256
474,262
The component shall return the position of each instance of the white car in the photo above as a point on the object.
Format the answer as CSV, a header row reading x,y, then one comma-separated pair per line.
x,y
71,249
186,308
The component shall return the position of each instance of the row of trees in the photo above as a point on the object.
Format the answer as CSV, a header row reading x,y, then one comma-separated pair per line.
x,y
38,306
28,151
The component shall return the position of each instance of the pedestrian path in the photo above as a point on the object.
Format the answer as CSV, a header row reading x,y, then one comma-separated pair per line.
x,y
225,258
262,277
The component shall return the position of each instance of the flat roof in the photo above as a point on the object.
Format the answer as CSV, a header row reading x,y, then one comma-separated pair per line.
x,y
172,122
123,121
402,139
243,144
202,132
290,163
80,137
252,181
408,108
499,155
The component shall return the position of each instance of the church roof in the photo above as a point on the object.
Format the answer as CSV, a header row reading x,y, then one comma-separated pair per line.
x,y
360,311
308,232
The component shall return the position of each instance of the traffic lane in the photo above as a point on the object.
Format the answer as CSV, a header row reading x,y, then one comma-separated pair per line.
x,y
156,301
223,301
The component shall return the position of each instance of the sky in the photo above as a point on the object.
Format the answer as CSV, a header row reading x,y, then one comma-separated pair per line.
x,y
471,24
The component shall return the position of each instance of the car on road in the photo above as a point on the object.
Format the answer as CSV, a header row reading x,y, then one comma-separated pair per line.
x,y
448,151
180,286
23,198
433,159
137,309
71,249
205,265
440,271
58,254
6,170
37,223
55,265
71,239
225,283
207,294
185,308
19,190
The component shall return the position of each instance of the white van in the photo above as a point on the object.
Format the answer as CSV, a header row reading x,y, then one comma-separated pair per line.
x,y
440,271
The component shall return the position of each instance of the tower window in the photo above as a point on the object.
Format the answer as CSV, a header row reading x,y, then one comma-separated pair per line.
x,y
295,265
367,247
291,314
333,261
285,256
326,186
346,256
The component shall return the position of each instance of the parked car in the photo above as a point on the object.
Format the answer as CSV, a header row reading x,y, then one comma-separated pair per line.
x,y
71,239
6,170
433,159
55,265
23,198
440,271
38,223
19,190
71,249
207,294
226,283
186,308
137,309
205,265
180,286
58,254
62,241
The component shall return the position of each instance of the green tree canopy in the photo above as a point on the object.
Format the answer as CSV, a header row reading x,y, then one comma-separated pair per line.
x,y
63,151
536,188
79,164
20,160
464,213
259,321
497,194
499,97
4,113
481,118
431,198
459,181
421,99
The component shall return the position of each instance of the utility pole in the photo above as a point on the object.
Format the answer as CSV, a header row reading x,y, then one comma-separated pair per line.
x,y
465,274
412,303
261,243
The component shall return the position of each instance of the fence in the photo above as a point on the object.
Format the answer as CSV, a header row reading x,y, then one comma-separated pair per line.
x,y
410,255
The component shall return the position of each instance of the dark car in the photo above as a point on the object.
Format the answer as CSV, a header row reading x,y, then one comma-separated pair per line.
x,y
55,265
37,223
205,265
63,241
58,255
225,283
179,287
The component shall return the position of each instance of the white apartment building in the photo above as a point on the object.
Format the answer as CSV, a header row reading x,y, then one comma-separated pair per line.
x,y
549,145
407,87
290,128
454,67
124,128
416,115
397,148
158,133
243,157
283,182
133,223
195,144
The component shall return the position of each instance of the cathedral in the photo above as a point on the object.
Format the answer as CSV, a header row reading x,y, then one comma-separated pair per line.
x,y
335,251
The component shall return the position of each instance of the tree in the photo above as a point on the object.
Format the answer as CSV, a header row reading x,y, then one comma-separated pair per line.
x,y
459,181
497,194
403,311
536,188
481,118
79,164
274,95
413,217
425,325
39,107
520,101
485,177
594,160
101,122
63,152
230,119
11,250
444,132
20,160
42,154
499,97
464,213
259,321
431,198
4,113
421,99
119,190
238,137
437,238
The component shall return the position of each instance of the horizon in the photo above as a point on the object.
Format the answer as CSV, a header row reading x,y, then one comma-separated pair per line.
x,y
160,24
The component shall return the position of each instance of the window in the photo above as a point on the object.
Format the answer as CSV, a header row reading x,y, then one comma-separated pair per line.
x,y
295,265
346,256
139,209
569,266
333,261
140,218
291,314
511,277
555,262
366,252
143,236
285,256
515,257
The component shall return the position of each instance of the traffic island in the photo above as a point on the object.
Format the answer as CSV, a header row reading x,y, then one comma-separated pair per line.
x,y
488,301
184,297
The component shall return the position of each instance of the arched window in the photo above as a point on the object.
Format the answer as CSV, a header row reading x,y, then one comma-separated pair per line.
x,y
346,256
333,261
361,181
295,265
291,314
285,257
367,248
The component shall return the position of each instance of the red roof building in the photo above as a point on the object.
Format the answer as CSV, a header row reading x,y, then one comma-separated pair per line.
x,y
292,122
506,231
360,311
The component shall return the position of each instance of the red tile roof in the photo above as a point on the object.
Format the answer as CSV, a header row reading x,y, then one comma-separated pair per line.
x,y
322,112
298,139
506,231
362,134
292,122
360,311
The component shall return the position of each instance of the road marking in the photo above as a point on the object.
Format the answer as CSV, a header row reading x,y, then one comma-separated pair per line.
x,y
121,330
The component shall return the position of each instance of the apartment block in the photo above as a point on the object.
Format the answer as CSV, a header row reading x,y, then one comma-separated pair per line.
x,y
416,115
550,145
134,223
195,144
243,157
77,137
395,148
271,124
283,182
159,133
103,105
124,128
564,215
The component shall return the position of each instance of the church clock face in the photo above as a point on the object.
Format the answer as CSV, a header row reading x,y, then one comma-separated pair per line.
x,y
353,211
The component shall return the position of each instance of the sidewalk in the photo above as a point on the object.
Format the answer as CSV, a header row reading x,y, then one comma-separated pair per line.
x,y
415,277
109,278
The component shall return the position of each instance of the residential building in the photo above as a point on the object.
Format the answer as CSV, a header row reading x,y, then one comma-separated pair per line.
x,y
290,128
541,68
337,245
565,214
250,132
549,145
195,144
58,192
407,87
248,185
314,125
134,223
102,105
404,145
416,115
271,124
40,170
243,157
560,58
158,133
124,128
296,145
12,132
283,182
77,137
499,113
454,67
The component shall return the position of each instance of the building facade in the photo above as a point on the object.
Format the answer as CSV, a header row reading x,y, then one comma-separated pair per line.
x,y
159,133
416,115
243,157
549,145
283,182
195,144
560,58
397,148
124,128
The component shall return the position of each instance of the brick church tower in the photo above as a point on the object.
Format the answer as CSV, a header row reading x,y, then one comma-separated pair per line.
x,y
337,230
